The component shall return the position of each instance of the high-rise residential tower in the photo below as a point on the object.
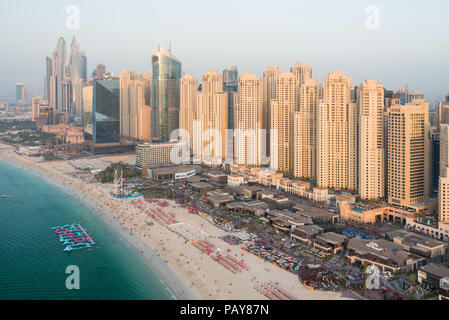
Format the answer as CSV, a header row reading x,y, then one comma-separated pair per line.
x,y
408,156
78,76
269,93
302,72
211,119
281,134
443,191
304,130
135,114
167,71
249,140
337,134
371,140
188,88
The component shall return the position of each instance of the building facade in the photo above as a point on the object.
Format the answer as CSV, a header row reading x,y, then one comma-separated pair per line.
x,y
249,138
281,135
337,135
408,156
167,70
305,130
371,140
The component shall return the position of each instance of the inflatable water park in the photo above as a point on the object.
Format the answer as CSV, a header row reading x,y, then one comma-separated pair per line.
x,y
73,237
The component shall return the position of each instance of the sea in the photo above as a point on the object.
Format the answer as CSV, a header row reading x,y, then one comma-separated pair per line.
x,y
33,264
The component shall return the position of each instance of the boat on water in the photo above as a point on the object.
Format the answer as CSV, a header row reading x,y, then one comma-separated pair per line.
x,y
5,196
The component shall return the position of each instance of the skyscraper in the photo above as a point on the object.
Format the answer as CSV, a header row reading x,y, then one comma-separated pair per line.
x,y
281,134
78,76
408,153
35,102
371,140
167,70
100,71
59,57
304,130
135,115
48,75
443,190
19,91
188,100
230,85
269,93
337,134
102,111
302,72
248,121
434,136
211,119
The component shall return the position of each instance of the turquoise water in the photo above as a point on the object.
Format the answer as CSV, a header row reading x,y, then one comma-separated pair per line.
x,y
32,261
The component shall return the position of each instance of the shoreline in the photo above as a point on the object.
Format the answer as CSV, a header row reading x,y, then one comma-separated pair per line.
x,y
186,272
175,287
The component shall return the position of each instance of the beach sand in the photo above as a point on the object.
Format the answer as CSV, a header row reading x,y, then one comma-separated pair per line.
x,y
187,271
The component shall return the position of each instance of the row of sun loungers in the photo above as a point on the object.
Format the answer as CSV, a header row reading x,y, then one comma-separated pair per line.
x,y
274,292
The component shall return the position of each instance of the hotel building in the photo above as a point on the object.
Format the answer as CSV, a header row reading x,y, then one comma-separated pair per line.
x,y
153,154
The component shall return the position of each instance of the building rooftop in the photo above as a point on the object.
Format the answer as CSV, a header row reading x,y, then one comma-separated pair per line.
x,y
332,237
434,269
384,250
411,239
309,229
313,212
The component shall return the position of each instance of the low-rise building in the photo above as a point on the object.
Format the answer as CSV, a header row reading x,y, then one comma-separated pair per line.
x,y
306,233
330,242
235,180
418,244
317,215
386,255
431,275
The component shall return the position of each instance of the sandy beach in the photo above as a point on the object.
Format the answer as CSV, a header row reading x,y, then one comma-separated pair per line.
x,y
188,272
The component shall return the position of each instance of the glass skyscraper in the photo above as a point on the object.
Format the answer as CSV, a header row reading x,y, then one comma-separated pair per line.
x,y
231,85
167,71
102,111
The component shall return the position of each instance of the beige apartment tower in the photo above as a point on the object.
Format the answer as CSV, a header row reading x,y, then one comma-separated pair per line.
x,y
302,72
248,121
443,194
211,119
305,130
337,135
269,93
371,140
187,107
282,108
408,153
135,113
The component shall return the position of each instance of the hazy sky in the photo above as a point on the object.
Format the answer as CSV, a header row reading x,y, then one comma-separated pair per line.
x,y
410,47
